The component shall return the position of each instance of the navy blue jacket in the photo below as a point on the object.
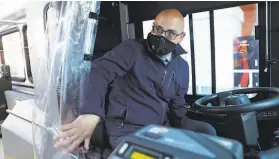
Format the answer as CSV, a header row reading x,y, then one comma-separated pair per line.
x,y
142,91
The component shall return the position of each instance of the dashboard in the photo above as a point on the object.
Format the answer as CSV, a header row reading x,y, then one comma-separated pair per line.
x,y
268,115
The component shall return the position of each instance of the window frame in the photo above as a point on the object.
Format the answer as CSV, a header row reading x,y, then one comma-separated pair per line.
x,y
27,80
7,32
2,60
45,10
264,76
26,54
213,62
260,34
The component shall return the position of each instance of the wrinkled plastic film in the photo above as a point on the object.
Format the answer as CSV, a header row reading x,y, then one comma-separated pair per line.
x,y
70,35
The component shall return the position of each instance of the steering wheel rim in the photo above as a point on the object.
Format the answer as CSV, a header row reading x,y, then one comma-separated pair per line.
x,y
256,106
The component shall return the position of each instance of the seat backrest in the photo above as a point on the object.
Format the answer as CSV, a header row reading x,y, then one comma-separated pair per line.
x,y
109,29
269,154
100,138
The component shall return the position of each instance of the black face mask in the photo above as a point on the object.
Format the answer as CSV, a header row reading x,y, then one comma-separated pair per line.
x,y
160,45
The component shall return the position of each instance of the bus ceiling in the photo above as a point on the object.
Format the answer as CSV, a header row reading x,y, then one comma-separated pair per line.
x,y
147,10
11,17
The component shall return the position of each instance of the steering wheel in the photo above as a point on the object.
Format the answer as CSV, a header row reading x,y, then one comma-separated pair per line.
x,y
225,106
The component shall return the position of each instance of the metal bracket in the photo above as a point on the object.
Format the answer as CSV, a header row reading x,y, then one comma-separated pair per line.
x,y
93,15
271,62
276,29
268,63
87,57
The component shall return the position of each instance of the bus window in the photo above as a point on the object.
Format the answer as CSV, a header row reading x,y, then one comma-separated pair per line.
x,y
27,56
13,55
202,47
186,46
236,49
147,26
223,45
1,53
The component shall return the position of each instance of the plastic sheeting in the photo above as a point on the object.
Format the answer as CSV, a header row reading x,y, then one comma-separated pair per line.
x,y
57,88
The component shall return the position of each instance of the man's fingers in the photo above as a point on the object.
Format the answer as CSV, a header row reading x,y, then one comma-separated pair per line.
x,y
74,145
86,143
65,134
66,127
82,149
66,142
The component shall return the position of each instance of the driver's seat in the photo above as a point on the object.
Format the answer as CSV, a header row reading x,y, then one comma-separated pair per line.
x,y
269,154
99,144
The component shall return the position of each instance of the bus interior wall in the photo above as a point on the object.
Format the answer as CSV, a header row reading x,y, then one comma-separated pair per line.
x,y
274,55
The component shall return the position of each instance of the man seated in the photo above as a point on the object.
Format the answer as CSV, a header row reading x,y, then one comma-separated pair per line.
x,y
150,80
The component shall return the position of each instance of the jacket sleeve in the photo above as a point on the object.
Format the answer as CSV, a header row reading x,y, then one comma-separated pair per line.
x,y
178,105
104,70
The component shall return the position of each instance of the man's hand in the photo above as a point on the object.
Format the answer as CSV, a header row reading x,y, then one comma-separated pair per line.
x,y
73,134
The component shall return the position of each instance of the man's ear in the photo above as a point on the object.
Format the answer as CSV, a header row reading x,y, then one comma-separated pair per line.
x,y
183,35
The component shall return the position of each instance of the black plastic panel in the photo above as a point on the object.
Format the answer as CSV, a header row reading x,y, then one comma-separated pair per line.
x,y
274,43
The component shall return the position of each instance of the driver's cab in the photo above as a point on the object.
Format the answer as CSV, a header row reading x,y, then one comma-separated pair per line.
x,y
230,46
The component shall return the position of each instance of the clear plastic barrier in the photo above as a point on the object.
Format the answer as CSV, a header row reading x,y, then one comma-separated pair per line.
x,y
59,82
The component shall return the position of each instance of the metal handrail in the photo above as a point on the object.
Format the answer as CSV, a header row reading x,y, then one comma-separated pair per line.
x,y
12,22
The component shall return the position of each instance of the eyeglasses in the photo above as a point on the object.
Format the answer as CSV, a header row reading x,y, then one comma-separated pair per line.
x,y
169,34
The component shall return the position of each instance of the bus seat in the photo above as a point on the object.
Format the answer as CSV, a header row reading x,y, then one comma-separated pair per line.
x,y
99,143
269,154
